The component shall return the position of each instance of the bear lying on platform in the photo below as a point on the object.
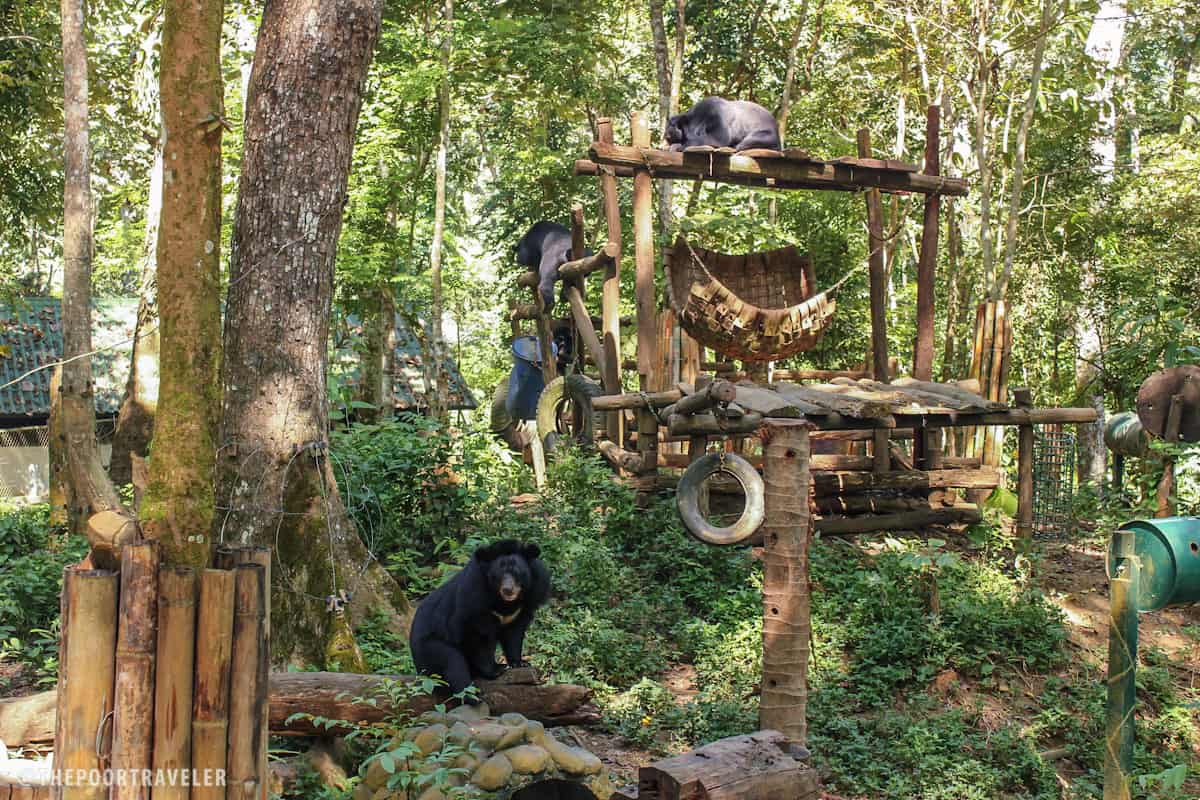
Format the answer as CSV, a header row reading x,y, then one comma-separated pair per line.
x,y
492,600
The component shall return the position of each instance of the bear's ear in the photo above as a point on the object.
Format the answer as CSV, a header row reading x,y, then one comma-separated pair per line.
x,y
531,551
486,553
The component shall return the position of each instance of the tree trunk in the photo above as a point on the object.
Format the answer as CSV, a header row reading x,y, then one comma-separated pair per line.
x,y
677,60
135,421
662,70
439,403
1184,59
178,506
87,486
1000,287
379,360
302,109
982,156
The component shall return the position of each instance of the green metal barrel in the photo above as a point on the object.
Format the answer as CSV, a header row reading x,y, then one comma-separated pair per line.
x,y
1168,550
1125,436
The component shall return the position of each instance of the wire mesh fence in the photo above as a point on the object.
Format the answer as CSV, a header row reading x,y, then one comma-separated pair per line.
x,y
1053,482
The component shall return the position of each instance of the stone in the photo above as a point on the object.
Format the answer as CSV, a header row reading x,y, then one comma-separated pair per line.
x,y
430,740
432,793
572,760
467,762
376,775
535,732
459,733
512,718
601,785
493,773
488,734
432,717
468,713
528,759
512,737
387,794
362,792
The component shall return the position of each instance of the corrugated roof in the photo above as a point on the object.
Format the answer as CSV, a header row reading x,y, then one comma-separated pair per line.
x,y
31,337
408,384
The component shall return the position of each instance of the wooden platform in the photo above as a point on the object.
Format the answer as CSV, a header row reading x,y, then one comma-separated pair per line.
x,y
789,169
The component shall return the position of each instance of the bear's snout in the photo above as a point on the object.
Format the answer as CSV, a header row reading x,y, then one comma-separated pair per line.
x,y
510,590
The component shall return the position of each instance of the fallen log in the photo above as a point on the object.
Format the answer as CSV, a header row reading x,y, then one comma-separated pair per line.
x,y
831,483
29,721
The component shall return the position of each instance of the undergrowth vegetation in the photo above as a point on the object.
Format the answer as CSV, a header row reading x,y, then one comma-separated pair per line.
x,y
939,669
904,702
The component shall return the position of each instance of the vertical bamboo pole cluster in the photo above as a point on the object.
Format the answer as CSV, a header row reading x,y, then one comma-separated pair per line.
x,y
989,366
162,688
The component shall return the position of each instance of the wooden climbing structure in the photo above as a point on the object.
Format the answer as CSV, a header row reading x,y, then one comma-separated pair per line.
x,y
843,451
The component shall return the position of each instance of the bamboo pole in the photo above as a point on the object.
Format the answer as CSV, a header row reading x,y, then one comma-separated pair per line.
x,y
248,694
645,296
133,712
210,705
786,613
881,452
173,679
610,301
86,671
254,554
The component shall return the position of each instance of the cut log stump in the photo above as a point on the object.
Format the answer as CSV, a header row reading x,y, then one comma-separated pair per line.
x,y
752,767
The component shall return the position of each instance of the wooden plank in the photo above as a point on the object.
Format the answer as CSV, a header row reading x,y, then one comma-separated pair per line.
x,y
849,404
782,173
963,513
829,483
772,404
953,395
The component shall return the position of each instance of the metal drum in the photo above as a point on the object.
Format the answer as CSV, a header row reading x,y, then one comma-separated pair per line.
x,y
1168,550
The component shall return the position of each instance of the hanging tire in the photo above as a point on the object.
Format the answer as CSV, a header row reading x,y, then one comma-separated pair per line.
x,y
687,499
554,425
501,423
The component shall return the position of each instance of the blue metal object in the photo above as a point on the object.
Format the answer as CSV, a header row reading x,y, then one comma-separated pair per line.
x,y
525,382
1168,550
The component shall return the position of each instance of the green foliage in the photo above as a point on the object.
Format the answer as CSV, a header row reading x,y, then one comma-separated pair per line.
x,y
32,558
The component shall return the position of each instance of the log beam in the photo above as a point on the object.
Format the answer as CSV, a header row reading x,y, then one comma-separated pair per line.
x,y
29,721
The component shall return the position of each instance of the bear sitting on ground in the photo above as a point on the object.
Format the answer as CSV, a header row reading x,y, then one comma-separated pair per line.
x,y
492,600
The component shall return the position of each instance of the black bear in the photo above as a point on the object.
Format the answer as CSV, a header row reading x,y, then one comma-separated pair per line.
x,y
545,247
491,600
718,122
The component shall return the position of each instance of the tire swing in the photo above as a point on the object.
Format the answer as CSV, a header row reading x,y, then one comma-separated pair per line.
x,y
687,498
756,307
565,412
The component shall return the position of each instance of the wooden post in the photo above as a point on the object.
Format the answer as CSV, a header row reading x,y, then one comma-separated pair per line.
x,y
133,711
881,452
927,260
786,614
173,679
645,296
248,695
611,298
254,554
1165,495
1024,399
86,671
210,705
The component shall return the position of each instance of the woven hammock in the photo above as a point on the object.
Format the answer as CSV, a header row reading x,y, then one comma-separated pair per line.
x,y
756,307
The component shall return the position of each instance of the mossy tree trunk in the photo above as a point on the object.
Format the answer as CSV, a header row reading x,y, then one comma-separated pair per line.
x,y
439,391
135,420
86,485
273,473
178,506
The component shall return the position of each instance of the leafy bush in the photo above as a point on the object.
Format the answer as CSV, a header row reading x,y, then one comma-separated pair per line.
x,y
32,558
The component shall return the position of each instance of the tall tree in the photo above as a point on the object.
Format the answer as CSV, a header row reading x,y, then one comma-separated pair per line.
x,y
273,471
439,407
662,69
178,505
87,487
